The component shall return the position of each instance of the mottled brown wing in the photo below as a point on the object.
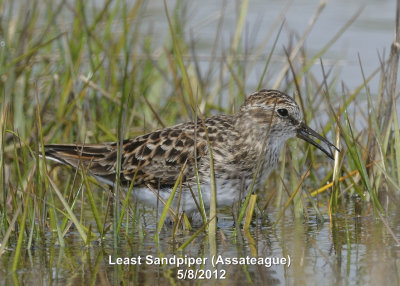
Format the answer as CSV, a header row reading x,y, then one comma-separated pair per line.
x,y
156,158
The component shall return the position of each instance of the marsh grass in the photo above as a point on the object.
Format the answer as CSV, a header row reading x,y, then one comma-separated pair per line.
x,y
73,74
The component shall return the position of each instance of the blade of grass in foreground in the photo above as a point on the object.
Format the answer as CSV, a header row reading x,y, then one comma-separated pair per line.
x,y
121,131
260,82
250,211
300,44
21,233
3,117
212,225
202,209
179,59
397,144
187,242
336,174
291,197
169,203
359,162
251,242
92,202
10,229
68,209
381,137
126,200
295,184
212,228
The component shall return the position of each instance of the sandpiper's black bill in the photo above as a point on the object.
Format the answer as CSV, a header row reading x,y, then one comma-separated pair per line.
x,y
304,132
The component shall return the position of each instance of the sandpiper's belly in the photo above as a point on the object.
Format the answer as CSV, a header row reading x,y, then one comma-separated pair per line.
x,y
227,193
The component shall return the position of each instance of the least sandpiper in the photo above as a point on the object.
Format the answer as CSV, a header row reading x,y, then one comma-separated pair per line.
x,y
266,119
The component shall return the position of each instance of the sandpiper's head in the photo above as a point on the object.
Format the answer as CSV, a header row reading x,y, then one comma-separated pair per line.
x,y
280,115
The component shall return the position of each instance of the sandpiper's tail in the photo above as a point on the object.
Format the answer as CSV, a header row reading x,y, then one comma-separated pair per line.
x,y
98,159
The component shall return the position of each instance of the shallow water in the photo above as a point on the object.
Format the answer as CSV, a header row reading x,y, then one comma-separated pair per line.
x,y
369,36
352,249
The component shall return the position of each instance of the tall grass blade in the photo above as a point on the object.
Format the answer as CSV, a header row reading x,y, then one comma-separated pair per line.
x,y
68,209
169,202
249,213
21,234
10,229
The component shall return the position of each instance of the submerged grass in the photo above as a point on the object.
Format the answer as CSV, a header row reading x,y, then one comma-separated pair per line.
x,y
103,76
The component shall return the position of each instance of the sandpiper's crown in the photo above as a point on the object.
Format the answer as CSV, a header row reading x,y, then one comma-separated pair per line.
x,y
268,98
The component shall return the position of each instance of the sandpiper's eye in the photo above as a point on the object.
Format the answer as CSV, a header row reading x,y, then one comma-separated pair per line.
x,y
283,112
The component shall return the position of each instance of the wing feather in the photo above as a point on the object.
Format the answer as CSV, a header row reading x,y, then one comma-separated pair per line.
x,y
153,159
